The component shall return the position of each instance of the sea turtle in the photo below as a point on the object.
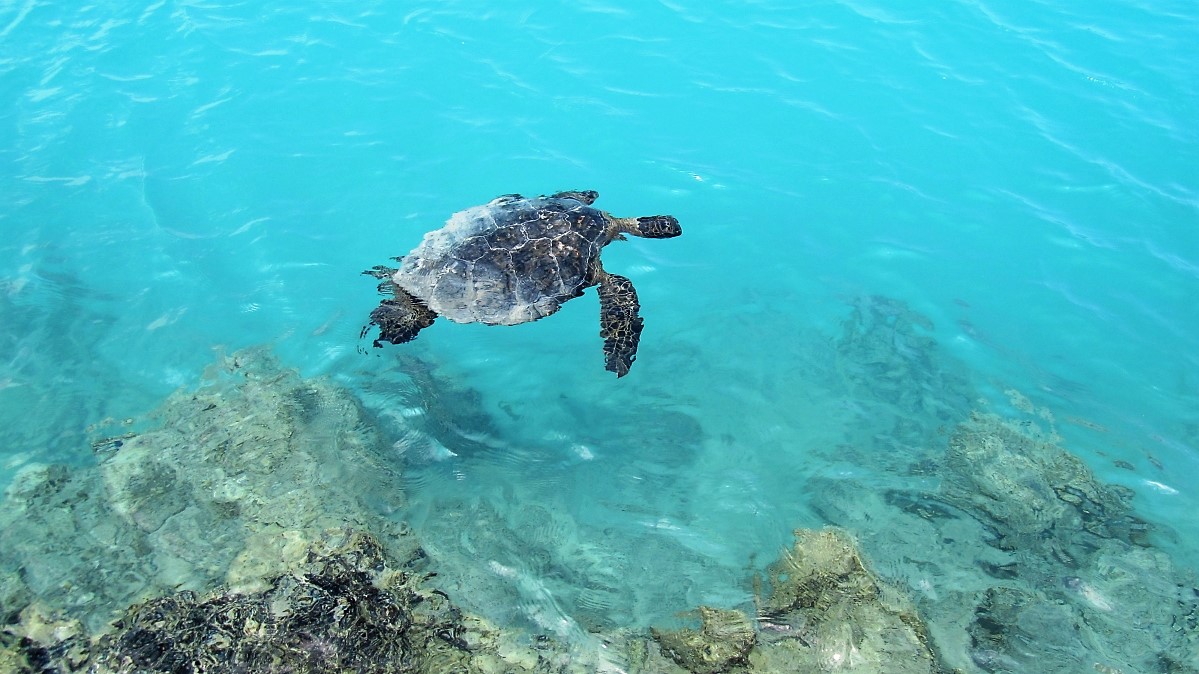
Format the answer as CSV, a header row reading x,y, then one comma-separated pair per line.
x,y
516,260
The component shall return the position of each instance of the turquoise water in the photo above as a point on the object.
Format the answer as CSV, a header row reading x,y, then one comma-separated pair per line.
x,y
180,177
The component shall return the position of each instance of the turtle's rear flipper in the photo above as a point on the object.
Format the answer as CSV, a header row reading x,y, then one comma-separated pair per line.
x,y
620,326
399,318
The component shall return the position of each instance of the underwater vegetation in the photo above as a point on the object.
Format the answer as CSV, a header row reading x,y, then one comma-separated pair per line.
x,y
345,609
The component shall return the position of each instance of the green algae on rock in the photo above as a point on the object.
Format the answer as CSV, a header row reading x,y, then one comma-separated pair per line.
x,y
724,639
825,611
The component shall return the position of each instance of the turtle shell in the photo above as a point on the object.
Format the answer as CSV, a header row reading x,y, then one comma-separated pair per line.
x,y
510,261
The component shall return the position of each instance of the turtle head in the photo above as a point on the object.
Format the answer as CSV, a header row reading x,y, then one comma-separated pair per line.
x,y
656,227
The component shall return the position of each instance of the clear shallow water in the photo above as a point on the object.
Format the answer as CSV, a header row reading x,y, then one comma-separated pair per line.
x,y
179,176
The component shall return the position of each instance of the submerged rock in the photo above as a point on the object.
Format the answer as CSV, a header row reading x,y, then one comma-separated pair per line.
x,y
346,608
1033,493
238,477
254,528
1082,590
230,488
1021,560
828,612
724,639
825,611
234,528
1008,619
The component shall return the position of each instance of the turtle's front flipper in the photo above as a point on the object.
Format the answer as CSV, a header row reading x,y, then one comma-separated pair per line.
x,y
620,326
399,318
